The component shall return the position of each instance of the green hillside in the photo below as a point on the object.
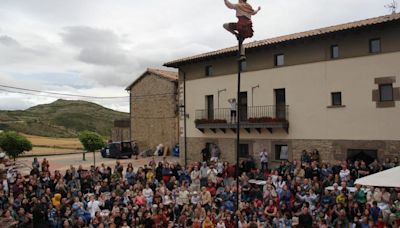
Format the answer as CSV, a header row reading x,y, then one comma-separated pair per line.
x,y
61,118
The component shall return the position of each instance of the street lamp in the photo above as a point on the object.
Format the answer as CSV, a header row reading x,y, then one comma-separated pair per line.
x,y
241,64
252,94
220,91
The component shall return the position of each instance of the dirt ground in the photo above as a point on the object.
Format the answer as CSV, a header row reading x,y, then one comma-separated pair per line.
x,y
47,145
64,143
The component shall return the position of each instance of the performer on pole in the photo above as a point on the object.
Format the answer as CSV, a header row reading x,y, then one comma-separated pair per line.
x,y
244,27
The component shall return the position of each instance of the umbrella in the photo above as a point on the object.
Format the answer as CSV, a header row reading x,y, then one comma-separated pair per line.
x,y
386,178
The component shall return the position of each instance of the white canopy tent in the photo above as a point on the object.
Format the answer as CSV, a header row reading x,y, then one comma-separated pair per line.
x,y
386,178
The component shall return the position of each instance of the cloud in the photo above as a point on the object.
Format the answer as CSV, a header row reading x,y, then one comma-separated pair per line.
x,y
8,41
99,47
103,56
84,36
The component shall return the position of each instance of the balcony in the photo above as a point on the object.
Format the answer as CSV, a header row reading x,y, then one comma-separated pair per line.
x,y
256,118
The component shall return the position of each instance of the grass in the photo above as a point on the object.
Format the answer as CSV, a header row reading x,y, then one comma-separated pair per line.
x,y
62,119
51,145
61,143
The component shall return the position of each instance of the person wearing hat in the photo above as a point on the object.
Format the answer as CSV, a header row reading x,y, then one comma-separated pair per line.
x,y
195,198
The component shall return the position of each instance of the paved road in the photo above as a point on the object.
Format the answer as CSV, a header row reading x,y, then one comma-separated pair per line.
x,y
63,162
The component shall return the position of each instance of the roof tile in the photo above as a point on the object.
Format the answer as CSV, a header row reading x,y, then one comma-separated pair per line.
x,y
294,36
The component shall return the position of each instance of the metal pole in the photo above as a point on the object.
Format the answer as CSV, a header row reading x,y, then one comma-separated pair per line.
x,y
94,159
238,125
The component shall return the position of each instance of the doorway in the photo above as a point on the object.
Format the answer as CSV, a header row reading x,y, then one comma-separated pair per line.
x,y
243,106
280,102
210,107
368,156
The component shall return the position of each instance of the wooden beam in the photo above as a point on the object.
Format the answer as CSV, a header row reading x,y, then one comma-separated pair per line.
x,y
223,130
270,130
259,130
214,130
248,130
201,129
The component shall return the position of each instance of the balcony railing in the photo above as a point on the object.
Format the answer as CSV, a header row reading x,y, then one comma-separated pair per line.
x,y
252,117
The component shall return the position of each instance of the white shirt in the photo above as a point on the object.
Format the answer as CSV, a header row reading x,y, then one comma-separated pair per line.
x,y
264,156
147,192
93,207
233,105
344,174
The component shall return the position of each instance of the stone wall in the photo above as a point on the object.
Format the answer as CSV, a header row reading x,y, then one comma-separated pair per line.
x,y
120,134
154,112
330,150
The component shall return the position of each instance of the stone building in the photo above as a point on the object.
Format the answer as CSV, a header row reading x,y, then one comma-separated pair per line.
x,y
154,109
121,130
334,89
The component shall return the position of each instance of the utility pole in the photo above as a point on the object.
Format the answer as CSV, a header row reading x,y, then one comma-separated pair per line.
x,y
241,60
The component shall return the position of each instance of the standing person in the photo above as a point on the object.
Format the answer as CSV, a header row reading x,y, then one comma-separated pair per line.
x,y
305,219
215,153
233,106
204,174
45,165
206,153
93,206
35,163
244,27
264,160
39,213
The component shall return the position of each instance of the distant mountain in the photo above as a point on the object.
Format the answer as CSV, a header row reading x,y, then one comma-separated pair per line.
x,y
62,118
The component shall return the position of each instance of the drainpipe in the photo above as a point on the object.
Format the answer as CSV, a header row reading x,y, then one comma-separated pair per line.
x,y
184,114
130,115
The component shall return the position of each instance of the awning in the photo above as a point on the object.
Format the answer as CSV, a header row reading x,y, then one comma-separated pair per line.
x,y
387,178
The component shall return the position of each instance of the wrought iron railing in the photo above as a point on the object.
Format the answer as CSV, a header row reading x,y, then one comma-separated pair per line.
x,y
250,114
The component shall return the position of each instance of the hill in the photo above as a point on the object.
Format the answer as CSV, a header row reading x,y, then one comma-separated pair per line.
x,y
62,118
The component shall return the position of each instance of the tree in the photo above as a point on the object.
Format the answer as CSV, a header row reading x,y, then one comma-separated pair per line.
x,y
91,141
14,144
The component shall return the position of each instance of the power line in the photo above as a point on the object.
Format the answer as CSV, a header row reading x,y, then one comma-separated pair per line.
x,y
153,95
62,94
34,94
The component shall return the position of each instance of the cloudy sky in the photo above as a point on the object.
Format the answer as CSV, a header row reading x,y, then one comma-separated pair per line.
x,y
98,47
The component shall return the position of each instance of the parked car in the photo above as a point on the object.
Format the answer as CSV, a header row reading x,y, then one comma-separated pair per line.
x,y
120,149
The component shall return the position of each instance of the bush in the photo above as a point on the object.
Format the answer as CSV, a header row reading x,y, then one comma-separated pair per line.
x,y
14,144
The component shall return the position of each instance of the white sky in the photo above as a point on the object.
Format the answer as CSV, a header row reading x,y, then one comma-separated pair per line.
x,y
98,47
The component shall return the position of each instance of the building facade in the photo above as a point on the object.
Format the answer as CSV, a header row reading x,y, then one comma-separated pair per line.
x,y
154,109
121,130
333,89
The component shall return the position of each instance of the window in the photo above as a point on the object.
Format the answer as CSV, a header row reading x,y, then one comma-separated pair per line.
x,y
334,51
209,70
244,150
386,92
336,98
375,45
279,60
281,152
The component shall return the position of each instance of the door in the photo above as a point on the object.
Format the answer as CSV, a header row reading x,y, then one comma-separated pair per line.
x,y
280,102
368,156
210,107
243,106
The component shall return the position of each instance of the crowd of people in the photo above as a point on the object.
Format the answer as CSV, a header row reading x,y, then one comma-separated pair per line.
x,y
302,193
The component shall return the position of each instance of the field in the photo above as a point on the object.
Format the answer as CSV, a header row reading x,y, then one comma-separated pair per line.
x,y
49,145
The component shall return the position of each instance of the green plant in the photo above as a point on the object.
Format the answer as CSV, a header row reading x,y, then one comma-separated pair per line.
x,y
91,141
14,144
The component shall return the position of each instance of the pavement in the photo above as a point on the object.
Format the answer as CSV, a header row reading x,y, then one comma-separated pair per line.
x,y
63,162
